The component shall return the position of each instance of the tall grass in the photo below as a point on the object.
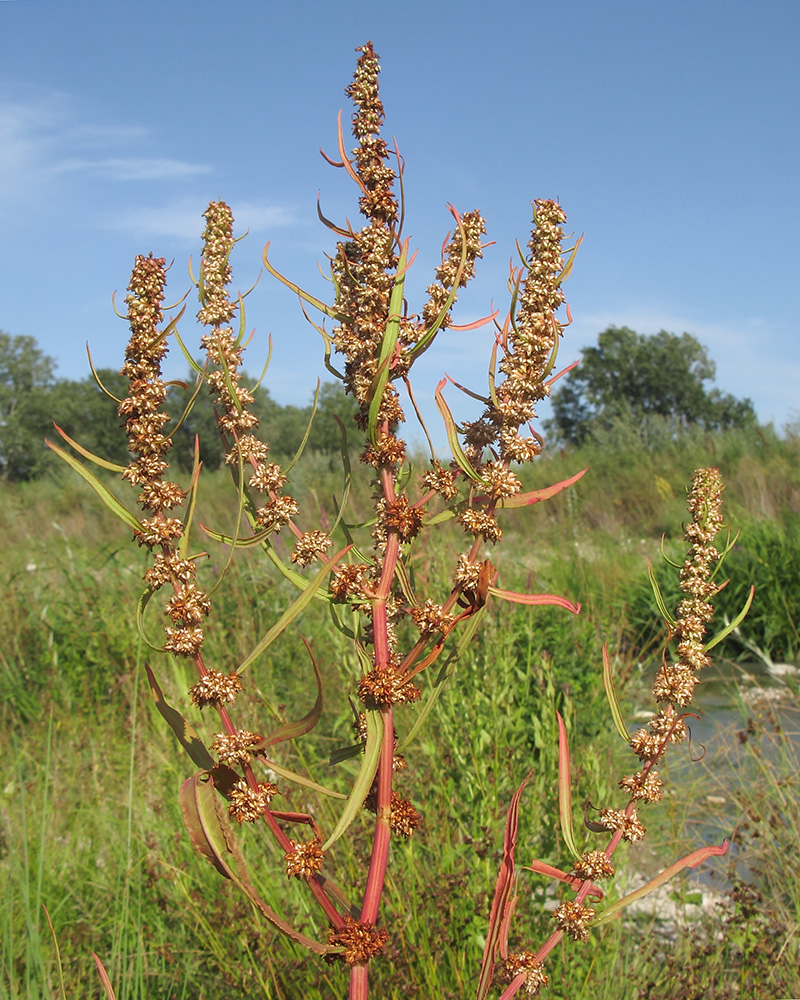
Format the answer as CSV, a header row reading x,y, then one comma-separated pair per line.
x,y
90,821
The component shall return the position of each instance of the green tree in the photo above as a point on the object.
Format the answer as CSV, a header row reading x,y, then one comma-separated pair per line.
x,y
26,376
629,376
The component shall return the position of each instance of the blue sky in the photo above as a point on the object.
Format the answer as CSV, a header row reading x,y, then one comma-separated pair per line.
x,y
669,132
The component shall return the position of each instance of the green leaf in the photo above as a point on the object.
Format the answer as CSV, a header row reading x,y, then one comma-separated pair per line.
x,y
611,694
191,506
421,716
185,734
301,779
737,621
364,778
293,610
288,468
565,789
388,345
141,607
427,338
316,303
111,466
243,543
452,435
292,730
662,607
206,820
102,491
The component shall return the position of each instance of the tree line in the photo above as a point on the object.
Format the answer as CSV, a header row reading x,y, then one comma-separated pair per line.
x,y
32,399
628,377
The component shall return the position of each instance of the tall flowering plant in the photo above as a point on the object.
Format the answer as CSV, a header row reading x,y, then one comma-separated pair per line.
x,y
372,345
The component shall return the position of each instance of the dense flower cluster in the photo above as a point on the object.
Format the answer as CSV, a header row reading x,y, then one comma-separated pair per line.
x,y
358,942
517,964
144,425
530,340
223,372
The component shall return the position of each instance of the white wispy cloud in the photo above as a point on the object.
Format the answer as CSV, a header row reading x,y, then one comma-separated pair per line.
x,y
46,141
132,168
182,219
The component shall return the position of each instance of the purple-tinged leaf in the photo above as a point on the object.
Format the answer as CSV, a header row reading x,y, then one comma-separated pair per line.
x,y
186,735
497,936
690,861
535,599
104,978
535,496
206,820
574,881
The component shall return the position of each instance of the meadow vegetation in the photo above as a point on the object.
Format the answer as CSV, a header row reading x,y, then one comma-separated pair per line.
x,y
93,850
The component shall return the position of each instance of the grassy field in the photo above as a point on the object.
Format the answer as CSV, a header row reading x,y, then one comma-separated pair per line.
x,y
91,826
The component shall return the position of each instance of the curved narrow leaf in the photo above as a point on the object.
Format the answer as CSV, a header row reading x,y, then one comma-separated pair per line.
x,y
574,881
535,496
301,779
452,435
737,621
208,826
497,936
347,475
431,331
662,607
201,818
421,716
565,789
535,599
316,303
291,730
185,734
443,515
293,610
141,607
101,970
690,861
611,694
97,378
111,466
301,448
100,489
242,543
191,506
364,778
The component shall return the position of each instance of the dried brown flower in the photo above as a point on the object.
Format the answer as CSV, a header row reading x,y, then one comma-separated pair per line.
x,y
247,804
573,918
214,688
517,963
238,748
593,866
360,942
381,687
304,860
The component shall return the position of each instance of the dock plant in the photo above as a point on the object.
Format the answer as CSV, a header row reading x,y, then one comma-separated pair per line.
x,y
405,632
